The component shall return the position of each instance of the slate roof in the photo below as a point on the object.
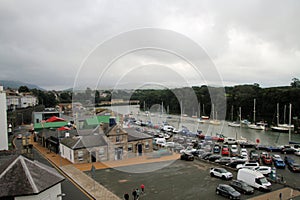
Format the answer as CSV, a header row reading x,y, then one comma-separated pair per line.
x,y
81,142
22,176
134,135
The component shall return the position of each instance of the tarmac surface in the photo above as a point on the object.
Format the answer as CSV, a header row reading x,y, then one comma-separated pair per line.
x,y
177,180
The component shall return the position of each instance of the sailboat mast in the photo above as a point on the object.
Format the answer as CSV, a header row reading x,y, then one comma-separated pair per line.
x,y
290,122
232,113
254,111
277,114
284,113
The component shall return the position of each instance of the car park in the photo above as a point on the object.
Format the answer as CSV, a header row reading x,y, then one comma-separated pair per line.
x,y
206,155
187,156
216,149
265,170
242,187
221,173
276,157
227,191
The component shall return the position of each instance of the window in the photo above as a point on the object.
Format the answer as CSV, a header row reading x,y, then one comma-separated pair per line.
x,y
129,147
118,138
80,155
146,145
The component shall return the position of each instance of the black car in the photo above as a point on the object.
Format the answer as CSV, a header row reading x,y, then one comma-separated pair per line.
x,y
294,167
227,191
242,187
234,163
287,150
288,160
206,155
187,157
213,157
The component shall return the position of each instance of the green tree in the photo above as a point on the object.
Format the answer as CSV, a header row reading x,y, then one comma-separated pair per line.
x,y
23,89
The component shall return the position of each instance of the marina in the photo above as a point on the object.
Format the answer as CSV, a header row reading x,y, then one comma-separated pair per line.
x,y
265,137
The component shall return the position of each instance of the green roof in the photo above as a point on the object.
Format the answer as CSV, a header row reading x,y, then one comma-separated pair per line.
x,y
39,126
98,119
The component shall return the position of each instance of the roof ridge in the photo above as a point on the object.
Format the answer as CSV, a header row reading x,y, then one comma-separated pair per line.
x,y
28,175
9,166
76,143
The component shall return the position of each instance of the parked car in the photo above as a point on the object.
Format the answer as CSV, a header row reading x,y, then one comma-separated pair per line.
x,y
206,155
227,191
234,150
187,156
225,151
234,163
267,160
221,173
288,160
248,165
273,149
242,187
223,160
265,170
279,163
276,157
261,147
294,167
229,140
263,154
214,157
19,136
288,150
297,152
253,154
217,149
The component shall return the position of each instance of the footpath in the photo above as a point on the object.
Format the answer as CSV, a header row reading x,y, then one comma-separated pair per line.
x,y
286,194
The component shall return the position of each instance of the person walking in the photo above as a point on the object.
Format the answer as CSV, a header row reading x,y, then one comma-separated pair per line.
x,y
137,193
126,196
134,194
280,196
143,188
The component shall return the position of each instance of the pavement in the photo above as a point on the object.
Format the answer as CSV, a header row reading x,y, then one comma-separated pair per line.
x,y
287,193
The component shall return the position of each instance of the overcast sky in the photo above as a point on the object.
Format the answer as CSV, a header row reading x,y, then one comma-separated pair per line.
x,y
47,42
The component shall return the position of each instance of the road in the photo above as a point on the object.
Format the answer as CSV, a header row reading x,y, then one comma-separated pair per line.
x,y
68,188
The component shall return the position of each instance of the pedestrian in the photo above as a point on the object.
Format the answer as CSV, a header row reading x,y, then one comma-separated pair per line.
x,y
134,194
143,188
137,193
126,196
280,196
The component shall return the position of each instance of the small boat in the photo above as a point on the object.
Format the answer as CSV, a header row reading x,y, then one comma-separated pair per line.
x,y
255,125
234,124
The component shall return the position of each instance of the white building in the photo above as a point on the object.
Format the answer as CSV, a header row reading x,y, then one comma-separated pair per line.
x,y
3,121
13,102
28,101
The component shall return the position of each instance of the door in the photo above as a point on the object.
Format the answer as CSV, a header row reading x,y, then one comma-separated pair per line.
x,y
140,149
119,153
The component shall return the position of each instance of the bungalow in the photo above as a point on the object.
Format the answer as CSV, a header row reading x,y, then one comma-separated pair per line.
x,y
84,148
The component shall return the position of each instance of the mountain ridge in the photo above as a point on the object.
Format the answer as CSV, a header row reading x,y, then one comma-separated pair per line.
x,y
16,84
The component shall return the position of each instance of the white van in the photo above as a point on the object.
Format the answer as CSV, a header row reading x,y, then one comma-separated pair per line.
x,y
254,179
160,141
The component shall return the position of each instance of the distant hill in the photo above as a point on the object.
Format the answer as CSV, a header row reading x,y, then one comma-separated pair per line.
x,y
17,84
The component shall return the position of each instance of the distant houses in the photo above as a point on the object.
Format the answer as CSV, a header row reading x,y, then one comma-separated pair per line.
x,y
15,100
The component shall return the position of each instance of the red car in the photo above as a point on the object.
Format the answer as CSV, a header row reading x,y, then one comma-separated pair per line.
x,y
267,160
225,151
